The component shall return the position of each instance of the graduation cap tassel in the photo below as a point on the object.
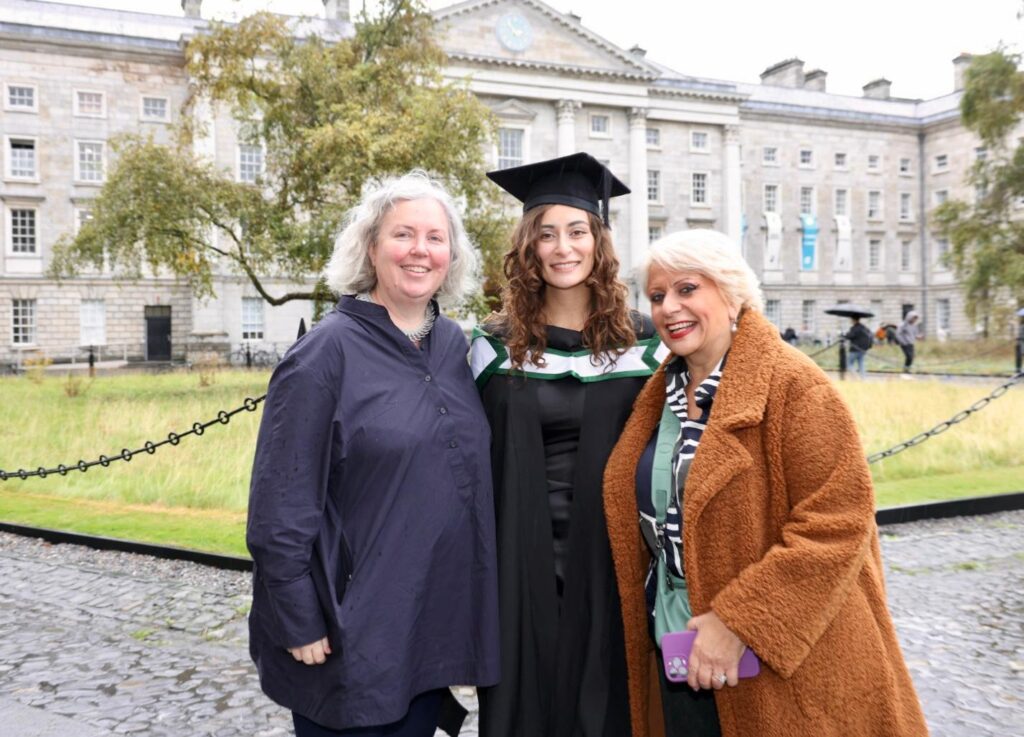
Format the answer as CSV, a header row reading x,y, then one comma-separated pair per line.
x,y
605,196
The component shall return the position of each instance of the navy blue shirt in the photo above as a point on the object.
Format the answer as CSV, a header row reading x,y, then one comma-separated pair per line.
x,y
371,521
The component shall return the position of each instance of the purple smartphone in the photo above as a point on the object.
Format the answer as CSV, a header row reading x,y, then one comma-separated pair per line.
x,y
675,649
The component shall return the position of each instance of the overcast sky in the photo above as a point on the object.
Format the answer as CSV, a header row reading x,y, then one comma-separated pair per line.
x,y
910,42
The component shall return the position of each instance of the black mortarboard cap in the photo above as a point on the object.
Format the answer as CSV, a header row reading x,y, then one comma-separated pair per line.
x,y
578,180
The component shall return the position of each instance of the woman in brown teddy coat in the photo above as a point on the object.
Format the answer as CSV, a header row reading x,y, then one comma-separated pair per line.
x,y
767,539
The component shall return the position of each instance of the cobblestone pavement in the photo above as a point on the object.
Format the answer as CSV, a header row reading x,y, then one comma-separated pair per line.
x,y
100,643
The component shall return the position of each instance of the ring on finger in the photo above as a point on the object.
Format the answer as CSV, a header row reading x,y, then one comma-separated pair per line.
x,y
721,678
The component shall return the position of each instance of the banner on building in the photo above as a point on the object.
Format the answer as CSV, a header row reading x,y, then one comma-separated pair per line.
x,y
772,241
844,257
809,242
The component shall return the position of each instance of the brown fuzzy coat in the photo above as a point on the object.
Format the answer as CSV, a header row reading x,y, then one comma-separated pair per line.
x,y
780,541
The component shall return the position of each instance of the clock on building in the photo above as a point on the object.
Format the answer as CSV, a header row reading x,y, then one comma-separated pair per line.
x,y
514,32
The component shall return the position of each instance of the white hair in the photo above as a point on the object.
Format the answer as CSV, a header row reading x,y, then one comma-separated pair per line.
x,y
711,254
350,270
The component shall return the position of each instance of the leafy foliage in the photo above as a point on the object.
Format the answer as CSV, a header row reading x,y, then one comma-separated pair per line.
x,y
987,237
331,113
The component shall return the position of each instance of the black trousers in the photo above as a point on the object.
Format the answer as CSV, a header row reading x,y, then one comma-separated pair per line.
x,y
420,721
908,355
688,713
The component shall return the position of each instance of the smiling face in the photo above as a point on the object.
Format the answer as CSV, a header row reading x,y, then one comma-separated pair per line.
x,y
412,253
692,317
565,247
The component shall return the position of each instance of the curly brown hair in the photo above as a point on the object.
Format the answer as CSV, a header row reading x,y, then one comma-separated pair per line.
x,y
608,329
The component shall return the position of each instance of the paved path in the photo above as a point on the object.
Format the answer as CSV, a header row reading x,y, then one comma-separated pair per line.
x,y
94,643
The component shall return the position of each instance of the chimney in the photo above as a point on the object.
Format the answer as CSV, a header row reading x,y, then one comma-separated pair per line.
x,y
788,73
192,8
336,10
815,80
638,51
960,65
877,89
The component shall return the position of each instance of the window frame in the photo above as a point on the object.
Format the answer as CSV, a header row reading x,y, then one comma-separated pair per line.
x,y
876,159
78,143
591,117
9,252
909,171
706,199
247,314
8,107
772,160
8,158
777,304
76,106
238,162
694,148
846,202
149,118
810,319
83,339
845,165
33,323
907,216
654,144
809,164
657,186
906,255
940,163
812,209
777,209
651,228
523,131
878,212
875,255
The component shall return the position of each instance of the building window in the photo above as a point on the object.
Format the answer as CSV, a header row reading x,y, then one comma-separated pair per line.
x,y
807,200
89,161
771,198
653,137
806,157
942,309
654,232
808,316
905,247
770,156
600,126
874,162
92,320
250,162
842,202
840,160
905,166
699,190
653,185
156,109
874,254
23,322
21,98
941,195
90,104
941,253
941,162
980,153
21,158
874,205
252,318
698,141
82,216
510,147
22,230
773,311
906,206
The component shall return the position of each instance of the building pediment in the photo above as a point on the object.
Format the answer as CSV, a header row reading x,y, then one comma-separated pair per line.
x,y
532,35
513,109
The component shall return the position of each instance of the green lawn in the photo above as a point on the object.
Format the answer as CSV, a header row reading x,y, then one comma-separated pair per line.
x,y
194,494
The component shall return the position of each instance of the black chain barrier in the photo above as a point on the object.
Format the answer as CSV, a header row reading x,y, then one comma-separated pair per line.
x,y
945,425
250,405
198,428
829,347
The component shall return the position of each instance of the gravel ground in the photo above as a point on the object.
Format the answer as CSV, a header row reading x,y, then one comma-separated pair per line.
x,y
99,643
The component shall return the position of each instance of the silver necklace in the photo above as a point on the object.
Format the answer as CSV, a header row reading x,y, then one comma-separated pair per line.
x,y
429,316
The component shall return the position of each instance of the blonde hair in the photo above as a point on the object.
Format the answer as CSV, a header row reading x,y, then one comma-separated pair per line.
x,y
350,270
711,254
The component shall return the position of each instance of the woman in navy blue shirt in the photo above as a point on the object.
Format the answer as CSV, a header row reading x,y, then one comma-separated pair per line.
x,y
371,518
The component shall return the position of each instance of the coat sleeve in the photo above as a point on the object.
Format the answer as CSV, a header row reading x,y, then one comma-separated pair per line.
x,y
784,602
287,496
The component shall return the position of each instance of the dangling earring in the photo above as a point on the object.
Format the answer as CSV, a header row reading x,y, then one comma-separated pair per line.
x,y
733,327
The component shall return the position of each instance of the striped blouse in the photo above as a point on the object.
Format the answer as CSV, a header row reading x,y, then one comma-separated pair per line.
x,y
677,378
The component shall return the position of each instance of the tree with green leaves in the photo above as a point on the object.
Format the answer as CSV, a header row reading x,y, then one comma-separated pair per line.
x,y
987,236
331,115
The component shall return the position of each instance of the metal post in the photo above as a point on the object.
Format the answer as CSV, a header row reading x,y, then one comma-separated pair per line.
x,y
842,356
248,356
92,362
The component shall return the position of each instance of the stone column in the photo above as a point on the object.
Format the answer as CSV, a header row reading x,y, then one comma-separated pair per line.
x,y
638,216
567,126
733,204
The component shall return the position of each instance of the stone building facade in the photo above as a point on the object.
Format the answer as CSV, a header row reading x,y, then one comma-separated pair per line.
x,y
827,195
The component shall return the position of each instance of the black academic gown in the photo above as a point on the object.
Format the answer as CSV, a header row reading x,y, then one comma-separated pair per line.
x,y
563,663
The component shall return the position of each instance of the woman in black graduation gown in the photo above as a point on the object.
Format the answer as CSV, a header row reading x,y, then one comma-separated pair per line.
x,y
558,368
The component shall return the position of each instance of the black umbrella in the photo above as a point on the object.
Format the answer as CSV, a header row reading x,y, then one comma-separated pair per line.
x,y
847,309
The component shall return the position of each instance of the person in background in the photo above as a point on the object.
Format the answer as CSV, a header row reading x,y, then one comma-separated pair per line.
x,y
860,340
790,336
371,518
757,530
558,368
906,337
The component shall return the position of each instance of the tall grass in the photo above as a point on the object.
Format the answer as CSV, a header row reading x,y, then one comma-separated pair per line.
x,y
41,426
